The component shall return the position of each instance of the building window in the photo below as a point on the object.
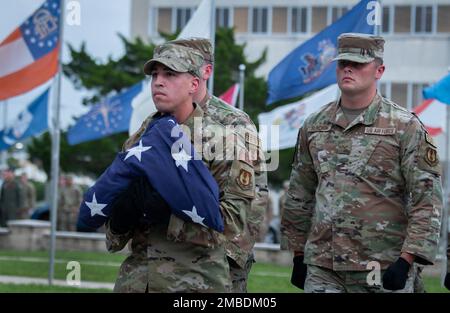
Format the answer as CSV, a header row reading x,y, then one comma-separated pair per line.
x,y
399,93
299,19
402,19
424,19
384,89
279,20
319,19
182,17
417,97
443,19
164,20
223,17
337,12
386,26
259,20
241,20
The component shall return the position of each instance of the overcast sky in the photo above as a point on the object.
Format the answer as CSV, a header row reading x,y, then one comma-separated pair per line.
x,y
101,20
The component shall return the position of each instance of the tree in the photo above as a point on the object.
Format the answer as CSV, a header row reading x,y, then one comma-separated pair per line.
x,y
90,157
113,75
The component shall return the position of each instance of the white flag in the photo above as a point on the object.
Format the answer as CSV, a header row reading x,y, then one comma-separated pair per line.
x,y
200,23
289,118
198,26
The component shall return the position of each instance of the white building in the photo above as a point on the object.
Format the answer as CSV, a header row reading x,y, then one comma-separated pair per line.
x,y
417,33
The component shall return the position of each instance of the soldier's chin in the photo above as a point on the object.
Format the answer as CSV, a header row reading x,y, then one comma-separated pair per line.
x,y
347,87
161,107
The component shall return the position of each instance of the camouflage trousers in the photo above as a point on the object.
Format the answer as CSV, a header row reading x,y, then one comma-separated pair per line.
x,y
323,280
239,275
166,266
419,287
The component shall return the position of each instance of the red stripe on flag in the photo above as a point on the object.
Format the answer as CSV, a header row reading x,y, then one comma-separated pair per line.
x,y
12,37
29,77
419,109
434,131
229,96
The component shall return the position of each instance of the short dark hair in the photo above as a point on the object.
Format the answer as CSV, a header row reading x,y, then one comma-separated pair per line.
x,y
378,61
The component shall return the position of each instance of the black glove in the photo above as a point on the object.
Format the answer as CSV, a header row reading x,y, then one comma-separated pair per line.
x,y
140,204
396,275
125,214
298,272
447,281
154,208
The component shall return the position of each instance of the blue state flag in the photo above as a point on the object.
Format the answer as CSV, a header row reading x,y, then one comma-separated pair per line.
x,y
30,122
439,91
111,116
309,67
166,157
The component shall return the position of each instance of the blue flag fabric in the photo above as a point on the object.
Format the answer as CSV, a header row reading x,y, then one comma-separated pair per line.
x,y
439,91
109,117
32,121
309,67
167,158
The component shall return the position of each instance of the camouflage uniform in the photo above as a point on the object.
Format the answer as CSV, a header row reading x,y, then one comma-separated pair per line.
x,y
349,188
323,280
11,200
282,198
29,199
362,190
184,256
239,250
70,198
448,252
265,224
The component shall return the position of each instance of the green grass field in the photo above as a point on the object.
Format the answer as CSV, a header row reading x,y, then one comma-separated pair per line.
x,y
103,267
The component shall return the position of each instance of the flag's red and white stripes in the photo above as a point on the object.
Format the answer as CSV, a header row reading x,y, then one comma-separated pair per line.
x,y
230,96
432,114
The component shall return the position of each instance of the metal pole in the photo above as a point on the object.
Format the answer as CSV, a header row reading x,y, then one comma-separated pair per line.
x,y
377,26
4,153
444,234
55,149
241,86
213,42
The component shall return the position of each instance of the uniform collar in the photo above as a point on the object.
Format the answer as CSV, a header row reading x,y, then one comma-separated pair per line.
x,y
367,117
195,121
205,101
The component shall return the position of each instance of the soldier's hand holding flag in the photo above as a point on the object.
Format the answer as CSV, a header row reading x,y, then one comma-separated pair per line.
x,y
166,159
140,204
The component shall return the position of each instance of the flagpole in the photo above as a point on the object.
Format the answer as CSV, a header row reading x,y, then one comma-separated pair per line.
x,y
4,153
213,42
55,148
377,26
241,86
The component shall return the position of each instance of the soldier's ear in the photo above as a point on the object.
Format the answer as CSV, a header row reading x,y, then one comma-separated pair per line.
x,y
380,71
195,82
207,70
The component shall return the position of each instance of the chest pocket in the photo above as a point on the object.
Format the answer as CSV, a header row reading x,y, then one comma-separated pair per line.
x,y
381,156
321,147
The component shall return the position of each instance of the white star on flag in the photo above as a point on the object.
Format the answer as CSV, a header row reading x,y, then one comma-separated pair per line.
x,y
96,208
194,216
182,158
137,151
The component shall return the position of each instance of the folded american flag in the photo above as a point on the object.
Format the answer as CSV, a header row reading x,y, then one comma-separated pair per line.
x,y
165,155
